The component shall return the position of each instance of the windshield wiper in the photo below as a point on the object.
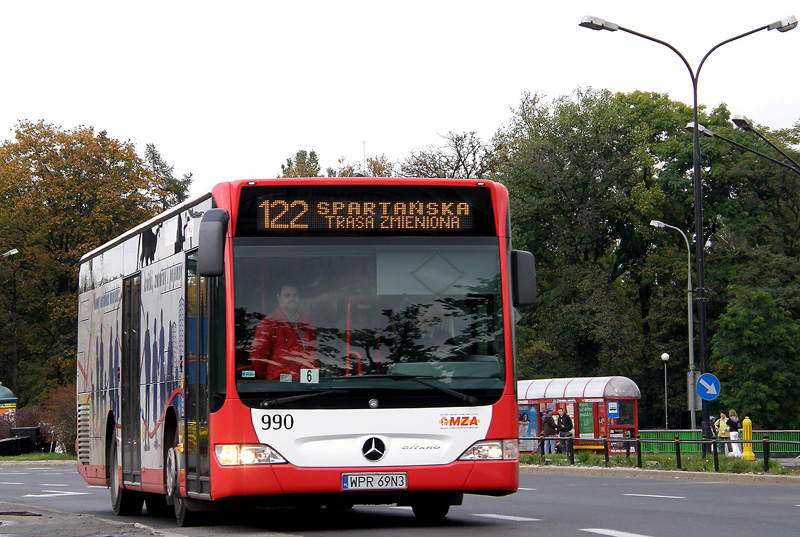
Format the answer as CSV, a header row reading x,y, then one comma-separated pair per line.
x,y
421,380
266,403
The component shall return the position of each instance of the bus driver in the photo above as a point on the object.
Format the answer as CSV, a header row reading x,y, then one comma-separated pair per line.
x,y
284,341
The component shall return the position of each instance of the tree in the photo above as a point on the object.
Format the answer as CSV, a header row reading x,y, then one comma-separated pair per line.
x,y
62,194
576,173
375,167
756,351
177,190
586,173
463,156
303,164
59,416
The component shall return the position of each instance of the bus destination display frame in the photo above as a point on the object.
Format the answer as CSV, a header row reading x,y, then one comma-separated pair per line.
x,y
371,210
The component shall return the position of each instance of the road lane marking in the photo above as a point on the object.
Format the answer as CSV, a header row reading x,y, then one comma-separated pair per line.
x,y
9,483
53,485
612,533
509,517
523,488
54,493
657,496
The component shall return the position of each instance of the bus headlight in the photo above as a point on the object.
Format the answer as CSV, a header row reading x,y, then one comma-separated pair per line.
x,y
492,450
246,454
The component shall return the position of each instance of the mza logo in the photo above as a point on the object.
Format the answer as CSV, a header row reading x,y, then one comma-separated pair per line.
x,y
461,422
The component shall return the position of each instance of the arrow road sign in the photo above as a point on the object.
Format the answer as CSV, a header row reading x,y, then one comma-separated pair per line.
x,y
708,386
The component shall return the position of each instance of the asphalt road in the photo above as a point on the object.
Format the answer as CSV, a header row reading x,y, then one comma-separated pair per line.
x,y
551,502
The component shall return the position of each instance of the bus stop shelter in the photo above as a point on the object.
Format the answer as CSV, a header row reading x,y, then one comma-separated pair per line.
x,y
600,407
8,402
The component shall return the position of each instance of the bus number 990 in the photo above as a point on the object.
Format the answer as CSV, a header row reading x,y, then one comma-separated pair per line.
x,y
276,422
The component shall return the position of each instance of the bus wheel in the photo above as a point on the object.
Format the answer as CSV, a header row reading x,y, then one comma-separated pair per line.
x,y
183,515
124,502
431,511
171,465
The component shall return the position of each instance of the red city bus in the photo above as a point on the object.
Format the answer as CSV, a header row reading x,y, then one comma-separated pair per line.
x,y
272,343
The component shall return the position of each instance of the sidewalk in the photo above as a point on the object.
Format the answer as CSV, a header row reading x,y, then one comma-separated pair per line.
x,y
27,521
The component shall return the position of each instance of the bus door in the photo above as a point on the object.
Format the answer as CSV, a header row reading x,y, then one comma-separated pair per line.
x,y
130,420
195,438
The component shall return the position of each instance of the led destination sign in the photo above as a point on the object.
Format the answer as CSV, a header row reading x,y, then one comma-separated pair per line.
x,y
363,215
367,209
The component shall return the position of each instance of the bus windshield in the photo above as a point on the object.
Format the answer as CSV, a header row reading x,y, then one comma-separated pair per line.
x,y
400,322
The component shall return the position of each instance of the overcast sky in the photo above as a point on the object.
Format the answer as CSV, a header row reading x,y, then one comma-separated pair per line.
x,y
230,90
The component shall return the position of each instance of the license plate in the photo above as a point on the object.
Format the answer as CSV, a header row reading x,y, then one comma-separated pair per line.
x,y
374,481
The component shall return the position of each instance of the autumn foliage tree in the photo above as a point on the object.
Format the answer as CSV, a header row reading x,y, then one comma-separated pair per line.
x,y
58,410
62,194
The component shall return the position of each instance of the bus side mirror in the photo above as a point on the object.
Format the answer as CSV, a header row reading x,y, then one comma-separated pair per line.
x,y
211,243
523,278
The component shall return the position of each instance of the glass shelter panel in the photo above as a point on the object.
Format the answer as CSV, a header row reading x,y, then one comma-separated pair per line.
x,y
626,409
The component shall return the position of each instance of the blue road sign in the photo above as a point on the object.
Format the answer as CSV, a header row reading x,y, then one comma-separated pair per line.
x,y
708,386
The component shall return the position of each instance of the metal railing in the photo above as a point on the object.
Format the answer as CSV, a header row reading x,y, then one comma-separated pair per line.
x,y
676,445
782,440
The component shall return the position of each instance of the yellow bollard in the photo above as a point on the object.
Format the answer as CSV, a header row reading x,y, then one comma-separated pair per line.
x,y
747,434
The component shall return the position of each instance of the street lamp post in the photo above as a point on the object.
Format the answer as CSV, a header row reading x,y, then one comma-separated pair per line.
x,y
690,386
711,134
746,124
783,25
665,359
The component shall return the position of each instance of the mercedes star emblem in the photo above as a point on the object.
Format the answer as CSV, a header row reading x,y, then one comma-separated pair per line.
x,y
373,449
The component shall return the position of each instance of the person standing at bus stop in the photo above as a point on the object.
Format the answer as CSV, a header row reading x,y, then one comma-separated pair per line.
x,y
734,425
564,426
548,431
723,432
284,341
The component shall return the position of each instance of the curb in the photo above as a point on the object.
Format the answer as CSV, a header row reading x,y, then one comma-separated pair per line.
x,y
652,474
53,522
26,516
43,463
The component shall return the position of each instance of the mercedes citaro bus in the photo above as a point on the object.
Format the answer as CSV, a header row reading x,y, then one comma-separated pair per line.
x,y
173,412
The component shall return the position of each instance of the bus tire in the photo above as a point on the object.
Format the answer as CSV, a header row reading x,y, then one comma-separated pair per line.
x,y
124,502
431,511
183,515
